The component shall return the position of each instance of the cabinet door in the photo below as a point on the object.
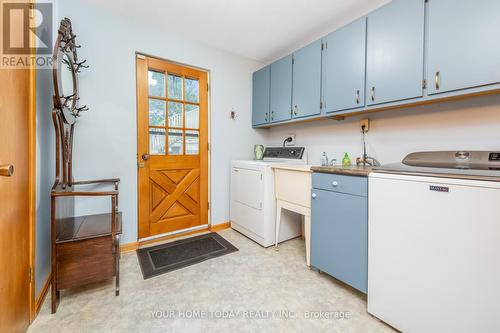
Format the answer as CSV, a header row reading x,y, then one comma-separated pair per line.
x,y
463,48
260,96
395,52
281,89
344,67
339,236
307,81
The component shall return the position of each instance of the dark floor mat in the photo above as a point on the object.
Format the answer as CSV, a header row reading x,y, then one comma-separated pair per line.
x,y
167,257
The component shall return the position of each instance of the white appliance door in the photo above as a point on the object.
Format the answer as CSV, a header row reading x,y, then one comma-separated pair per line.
x,y
434,254
247,187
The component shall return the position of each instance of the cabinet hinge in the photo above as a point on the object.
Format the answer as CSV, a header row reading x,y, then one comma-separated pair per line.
x,y
293,60
261,178
261,205
208,205
30,274
424,84
140,56
322,46
208,146
320,105
208,86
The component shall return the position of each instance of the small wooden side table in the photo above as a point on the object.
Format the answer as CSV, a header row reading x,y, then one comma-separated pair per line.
x,y
85,249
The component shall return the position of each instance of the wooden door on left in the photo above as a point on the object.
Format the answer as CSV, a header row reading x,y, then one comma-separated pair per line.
x,y
15,198
172,156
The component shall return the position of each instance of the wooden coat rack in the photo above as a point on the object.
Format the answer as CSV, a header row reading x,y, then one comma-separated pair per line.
x,y
85,249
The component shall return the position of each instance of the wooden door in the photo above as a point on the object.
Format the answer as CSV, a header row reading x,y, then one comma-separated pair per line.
x,y
15,198
395,52
306,92
172,147
281,89
344,59
260,96
460,54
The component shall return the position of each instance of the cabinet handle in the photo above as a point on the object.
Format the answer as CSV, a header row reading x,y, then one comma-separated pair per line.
x,y
314,195
438,80
373,94
357,96
335,183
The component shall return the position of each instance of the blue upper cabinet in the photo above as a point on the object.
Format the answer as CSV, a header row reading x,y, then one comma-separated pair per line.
x,y
395,51
307,81
343,68
463,48
281,89
260,96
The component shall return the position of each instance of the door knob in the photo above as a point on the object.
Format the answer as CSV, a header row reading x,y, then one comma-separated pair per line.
x,y
335,184
145,157
6,170
314,195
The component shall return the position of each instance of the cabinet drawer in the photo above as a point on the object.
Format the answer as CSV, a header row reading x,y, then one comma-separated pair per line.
x,y
340,183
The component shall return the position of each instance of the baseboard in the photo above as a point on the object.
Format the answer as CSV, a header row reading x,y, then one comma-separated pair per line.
x,y
133,246
43,293
220,227
129,247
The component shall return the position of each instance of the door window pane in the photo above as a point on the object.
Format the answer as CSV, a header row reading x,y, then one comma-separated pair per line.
x,y
157,141
192,90
175,142
174,87
192,116
156,84
157,112
175,114
192,142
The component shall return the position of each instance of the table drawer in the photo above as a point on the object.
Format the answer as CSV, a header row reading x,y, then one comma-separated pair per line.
x,y
340,183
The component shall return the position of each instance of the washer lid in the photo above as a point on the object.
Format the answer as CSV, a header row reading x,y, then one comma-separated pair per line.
x,y
484,165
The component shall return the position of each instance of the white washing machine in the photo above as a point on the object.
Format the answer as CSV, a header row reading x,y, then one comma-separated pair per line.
x,y
434,242
253,201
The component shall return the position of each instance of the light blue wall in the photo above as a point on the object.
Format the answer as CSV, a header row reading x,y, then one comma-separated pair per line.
x,y
105,136
44,173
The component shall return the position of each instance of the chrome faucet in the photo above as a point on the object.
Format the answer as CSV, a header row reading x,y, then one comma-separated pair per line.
x,y
366,160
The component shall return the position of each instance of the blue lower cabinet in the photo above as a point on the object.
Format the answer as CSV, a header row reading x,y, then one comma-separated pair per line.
x,y
339,236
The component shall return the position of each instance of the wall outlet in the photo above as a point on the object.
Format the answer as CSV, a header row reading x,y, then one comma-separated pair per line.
x,y
292,135
366,123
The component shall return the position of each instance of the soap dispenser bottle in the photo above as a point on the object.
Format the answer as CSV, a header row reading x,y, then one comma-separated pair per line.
x,y
346,161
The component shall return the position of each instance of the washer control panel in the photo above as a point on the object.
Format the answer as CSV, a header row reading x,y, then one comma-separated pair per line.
x,y
289,153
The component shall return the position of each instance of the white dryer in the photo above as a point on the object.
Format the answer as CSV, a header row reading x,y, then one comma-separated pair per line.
x,y
253,201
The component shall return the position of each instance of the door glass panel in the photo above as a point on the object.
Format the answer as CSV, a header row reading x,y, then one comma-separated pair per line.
x,y
157,141
175,114
174,87
157,112
156,84
192,90
175,142
192,142
192,116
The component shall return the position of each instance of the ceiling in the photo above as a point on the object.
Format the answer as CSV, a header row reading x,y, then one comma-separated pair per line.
x,y
261,30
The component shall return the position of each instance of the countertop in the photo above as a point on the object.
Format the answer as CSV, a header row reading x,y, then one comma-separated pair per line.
x,y
352,170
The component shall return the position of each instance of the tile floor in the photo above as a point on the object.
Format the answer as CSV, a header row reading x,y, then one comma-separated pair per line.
x,y
252,290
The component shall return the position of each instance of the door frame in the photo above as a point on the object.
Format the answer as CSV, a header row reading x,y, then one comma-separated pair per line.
x,y
32,189
32,176
140,56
